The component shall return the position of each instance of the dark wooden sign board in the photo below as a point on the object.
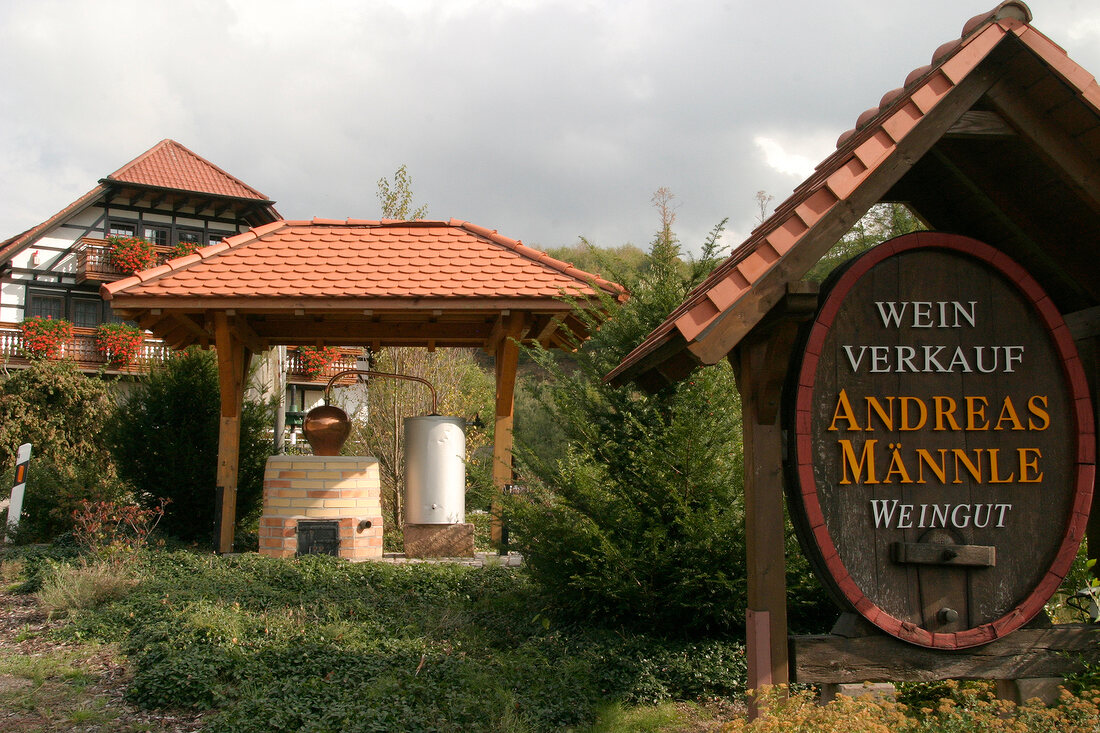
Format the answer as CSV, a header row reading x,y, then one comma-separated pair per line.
x,y
943,455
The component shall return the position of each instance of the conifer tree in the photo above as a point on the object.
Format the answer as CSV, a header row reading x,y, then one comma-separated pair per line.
x,y
639,522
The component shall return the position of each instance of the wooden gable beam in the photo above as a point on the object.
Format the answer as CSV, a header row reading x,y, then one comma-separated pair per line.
x,y
980,123
239,324
1020,226
1072,162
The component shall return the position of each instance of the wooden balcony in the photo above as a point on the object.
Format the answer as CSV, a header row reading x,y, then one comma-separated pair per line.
x,y
80,348
93,261
295,374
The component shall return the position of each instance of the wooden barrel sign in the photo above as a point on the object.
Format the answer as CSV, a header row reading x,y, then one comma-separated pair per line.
x,y
944,448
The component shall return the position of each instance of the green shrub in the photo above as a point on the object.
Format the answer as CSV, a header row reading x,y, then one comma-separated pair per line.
x,y
637,520
61,413
165,441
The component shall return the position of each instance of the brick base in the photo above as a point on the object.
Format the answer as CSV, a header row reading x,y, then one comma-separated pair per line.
x,y
344,488
439,540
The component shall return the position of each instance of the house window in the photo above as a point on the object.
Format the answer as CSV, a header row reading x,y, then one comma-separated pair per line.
x,y
156,235
45,306
215,237
121,229
190,236
87,313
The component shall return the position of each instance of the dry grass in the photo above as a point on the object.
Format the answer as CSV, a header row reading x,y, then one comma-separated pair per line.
x,y
84,585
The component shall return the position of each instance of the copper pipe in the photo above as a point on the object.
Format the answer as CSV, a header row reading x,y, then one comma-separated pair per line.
x,y
369,373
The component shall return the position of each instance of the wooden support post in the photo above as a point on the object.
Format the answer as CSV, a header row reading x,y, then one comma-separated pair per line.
x,y
507,361
1085,328
760,363
764,534
232,367
758,655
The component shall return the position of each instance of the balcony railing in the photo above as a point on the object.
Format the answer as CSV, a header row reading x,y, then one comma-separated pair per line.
x,y
296,373
93,261
81,348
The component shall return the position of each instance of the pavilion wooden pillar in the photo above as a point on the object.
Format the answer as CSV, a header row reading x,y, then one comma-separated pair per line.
x,y
506,352
232,365
761,363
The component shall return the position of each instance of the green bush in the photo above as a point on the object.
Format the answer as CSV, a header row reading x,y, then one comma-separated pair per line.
x,y
165,441
55,490
61,413
637,520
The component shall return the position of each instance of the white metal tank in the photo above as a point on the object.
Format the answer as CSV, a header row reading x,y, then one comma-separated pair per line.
x,y
435,470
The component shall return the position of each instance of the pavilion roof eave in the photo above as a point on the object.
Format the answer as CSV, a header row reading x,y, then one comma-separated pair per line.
x,y
337,304
360,322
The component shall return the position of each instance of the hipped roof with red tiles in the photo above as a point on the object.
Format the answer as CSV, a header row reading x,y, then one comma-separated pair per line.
x,y
166,166
415,283
998,138
361,259
170,165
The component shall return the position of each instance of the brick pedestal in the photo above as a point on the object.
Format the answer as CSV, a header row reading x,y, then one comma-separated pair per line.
x,y
341,488
439,540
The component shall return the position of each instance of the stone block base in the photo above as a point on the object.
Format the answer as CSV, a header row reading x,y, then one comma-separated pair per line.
x,y
882,690
439,540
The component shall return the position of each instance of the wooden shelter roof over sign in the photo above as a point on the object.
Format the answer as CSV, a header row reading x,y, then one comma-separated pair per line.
x,y
359,282
998,138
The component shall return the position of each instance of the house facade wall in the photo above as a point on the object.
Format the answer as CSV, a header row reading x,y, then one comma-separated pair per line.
x,y
47,266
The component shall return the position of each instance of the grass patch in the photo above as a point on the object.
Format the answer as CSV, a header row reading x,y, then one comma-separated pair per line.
x,y
614,718
82,585
51,691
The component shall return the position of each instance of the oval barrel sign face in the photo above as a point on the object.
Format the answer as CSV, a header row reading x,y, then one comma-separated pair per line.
x,y
943,442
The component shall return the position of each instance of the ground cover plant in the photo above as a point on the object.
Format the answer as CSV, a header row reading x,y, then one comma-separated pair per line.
x,y
321,644
964,709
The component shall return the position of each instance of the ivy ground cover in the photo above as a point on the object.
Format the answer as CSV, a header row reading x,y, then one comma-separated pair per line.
x,y
319,644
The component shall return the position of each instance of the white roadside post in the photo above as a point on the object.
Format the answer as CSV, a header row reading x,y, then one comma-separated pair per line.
x,y
15,505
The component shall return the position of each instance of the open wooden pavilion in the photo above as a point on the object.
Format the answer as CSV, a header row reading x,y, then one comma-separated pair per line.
x,y
998,138
363,283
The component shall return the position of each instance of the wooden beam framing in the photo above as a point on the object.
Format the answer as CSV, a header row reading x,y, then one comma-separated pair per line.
x,y
978,123
247,336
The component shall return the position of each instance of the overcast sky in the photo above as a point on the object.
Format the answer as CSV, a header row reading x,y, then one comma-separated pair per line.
x,y
544,119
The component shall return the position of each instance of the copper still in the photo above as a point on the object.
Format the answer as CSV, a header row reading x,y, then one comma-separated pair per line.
x,y
326,426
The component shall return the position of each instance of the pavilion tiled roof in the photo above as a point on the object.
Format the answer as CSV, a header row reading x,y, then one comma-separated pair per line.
x,y
718,312
362,259
170,165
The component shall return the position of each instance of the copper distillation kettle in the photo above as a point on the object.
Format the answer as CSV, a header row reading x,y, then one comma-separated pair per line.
x,y
326,426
